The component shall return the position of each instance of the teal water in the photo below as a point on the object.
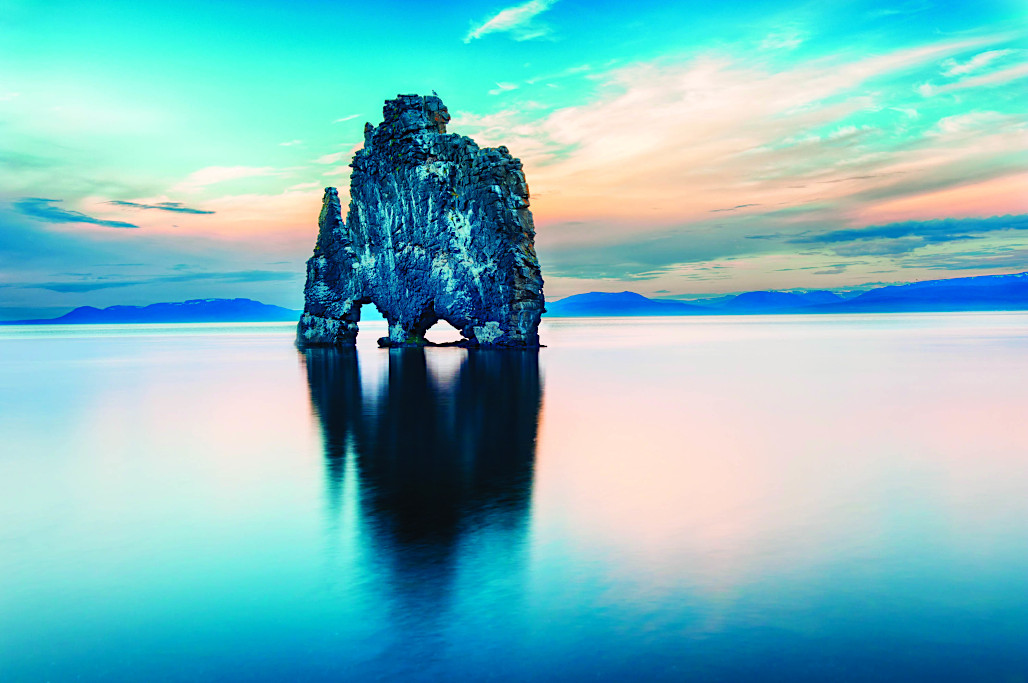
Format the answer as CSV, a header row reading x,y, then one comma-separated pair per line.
x,y
782,498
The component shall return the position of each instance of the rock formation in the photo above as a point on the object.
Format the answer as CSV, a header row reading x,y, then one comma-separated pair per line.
x,y
437,229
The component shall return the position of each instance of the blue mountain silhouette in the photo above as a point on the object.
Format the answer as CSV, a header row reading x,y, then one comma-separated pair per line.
x,y
981,293
192,311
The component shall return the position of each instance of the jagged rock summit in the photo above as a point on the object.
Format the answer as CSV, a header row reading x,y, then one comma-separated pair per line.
x,y
437,229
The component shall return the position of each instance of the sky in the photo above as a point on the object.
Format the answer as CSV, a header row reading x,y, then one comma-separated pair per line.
x,y
169,151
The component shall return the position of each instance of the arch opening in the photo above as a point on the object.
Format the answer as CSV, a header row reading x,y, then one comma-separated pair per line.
x,y
442,332
369,312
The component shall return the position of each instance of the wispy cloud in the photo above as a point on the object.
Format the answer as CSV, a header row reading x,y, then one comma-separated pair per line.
x,y
785,39
351,117
548,79
979,120
92,283
674,163
46,210
1005,258
291,143
899,8
333,158
502,88
518,21
956,68
909,235
883,247
665,141
303,186
734,208
1001,77
175,207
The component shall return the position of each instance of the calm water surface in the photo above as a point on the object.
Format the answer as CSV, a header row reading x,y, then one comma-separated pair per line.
x,y
778,498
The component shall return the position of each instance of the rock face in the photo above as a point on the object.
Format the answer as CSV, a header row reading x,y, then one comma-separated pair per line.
x,y
437,229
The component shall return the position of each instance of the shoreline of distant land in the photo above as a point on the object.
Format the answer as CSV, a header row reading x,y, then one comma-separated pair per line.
x,y
980,293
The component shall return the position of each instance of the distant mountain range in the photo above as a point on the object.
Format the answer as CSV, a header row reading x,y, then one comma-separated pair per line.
x,y
193,311
982,293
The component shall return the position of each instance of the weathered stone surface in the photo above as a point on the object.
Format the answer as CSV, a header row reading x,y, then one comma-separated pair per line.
x,y
437,229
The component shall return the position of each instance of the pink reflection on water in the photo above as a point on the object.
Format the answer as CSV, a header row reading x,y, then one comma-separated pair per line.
x,y
714,451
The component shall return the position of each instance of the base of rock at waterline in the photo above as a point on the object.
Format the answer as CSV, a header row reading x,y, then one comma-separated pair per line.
x,y
387,343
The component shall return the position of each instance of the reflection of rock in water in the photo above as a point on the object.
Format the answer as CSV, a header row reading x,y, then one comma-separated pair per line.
x,y
334,383
435,461
442,456
431,457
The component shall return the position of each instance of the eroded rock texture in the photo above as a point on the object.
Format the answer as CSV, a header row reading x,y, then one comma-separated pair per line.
x,y
437,229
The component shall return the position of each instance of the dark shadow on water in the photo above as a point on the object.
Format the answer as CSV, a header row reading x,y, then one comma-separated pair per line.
x,y
431,456
442,456
435,462
334,382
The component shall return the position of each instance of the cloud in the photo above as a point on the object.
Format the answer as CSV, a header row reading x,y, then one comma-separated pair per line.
x,y
219,174
299,187
885,247
787,39
333,158
906,236
503,87
139,266
662,163
175,207
687,250
896,9
516,20
665,147
581,69
1006,258
986,183
955,68
45,210
617,251
1001,77
734,208
91,284
978,120
668,141
19,161
910,112
291,143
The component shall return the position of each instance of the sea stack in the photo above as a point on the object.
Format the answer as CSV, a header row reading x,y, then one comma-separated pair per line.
x,y
438,228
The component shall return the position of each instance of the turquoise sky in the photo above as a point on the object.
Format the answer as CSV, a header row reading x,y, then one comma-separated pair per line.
x,y
164,151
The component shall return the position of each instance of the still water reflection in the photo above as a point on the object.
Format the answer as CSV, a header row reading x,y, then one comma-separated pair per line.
x,y
432,455
433,459
780,498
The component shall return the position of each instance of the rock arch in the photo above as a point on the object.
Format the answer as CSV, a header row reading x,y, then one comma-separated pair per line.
x,y
437,229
